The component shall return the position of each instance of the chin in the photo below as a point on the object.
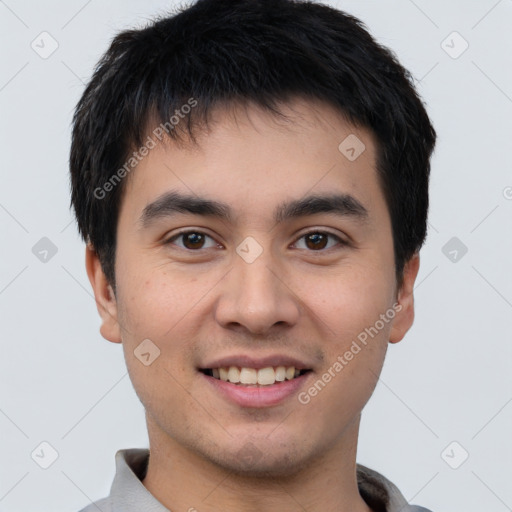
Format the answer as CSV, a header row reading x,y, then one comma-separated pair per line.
x,y
262,460
268,469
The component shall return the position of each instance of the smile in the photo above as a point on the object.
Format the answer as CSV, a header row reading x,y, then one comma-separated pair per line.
x,y
254,377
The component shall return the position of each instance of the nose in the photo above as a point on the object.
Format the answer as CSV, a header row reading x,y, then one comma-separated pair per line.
x,y
257,297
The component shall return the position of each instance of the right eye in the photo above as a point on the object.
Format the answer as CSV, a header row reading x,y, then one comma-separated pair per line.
x,y
192,240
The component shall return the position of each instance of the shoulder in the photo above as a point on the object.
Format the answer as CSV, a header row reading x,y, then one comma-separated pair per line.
x,y
102,505
381,493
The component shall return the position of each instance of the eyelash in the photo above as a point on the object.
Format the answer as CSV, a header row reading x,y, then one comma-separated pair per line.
x,y
341,242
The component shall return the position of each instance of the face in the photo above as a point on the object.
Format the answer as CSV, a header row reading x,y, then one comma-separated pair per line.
x,y
289,264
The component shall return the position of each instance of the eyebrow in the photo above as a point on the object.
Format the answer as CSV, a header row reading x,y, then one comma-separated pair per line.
x,y
173,202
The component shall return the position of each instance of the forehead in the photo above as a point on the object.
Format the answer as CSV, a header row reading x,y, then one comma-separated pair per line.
x,y
250,159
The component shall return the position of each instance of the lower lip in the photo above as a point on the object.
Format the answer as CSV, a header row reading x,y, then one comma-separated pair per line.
x,y
257,397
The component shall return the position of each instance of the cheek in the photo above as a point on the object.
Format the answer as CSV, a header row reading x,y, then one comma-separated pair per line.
x,y
346,382
352,300
356,310
155,303
153,310
153,350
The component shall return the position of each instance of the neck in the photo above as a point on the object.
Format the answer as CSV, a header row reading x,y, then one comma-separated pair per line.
x,y
181,479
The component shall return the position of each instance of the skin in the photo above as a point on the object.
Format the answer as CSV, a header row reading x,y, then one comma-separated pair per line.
x,y
293,299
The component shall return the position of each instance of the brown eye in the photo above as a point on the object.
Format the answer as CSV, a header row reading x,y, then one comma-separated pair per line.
x,y
316,240
191,240
319,240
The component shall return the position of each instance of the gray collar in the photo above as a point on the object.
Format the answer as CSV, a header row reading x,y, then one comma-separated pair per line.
x,y
128,494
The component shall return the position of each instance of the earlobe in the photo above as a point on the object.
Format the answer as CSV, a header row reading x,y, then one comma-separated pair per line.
x,y
104,295
405,309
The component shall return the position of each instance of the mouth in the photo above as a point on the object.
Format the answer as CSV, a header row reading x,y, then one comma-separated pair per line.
x,y
250,381
255,377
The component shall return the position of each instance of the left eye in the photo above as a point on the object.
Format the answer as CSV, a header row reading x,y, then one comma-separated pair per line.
x,y
318,240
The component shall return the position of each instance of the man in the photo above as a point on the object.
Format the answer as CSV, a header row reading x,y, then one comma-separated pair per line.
x,y
251,179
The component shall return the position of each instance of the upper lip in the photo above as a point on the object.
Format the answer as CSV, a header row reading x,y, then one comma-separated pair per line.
x,y
245,361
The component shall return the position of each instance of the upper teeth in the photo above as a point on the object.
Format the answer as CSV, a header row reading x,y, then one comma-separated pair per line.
x,y
263,376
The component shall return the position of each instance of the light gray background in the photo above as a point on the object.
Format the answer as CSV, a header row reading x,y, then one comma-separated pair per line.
x,y
448,380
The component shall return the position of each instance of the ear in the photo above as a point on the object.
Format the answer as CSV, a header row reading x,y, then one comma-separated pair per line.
x,y
104,295
404,317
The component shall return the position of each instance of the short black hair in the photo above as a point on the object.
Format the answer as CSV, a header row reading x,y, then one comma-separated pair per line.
x,y
262,52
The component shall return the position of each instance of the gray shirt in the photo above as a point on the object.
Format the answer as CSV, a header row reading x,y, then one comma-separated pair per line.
x,y
128,494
